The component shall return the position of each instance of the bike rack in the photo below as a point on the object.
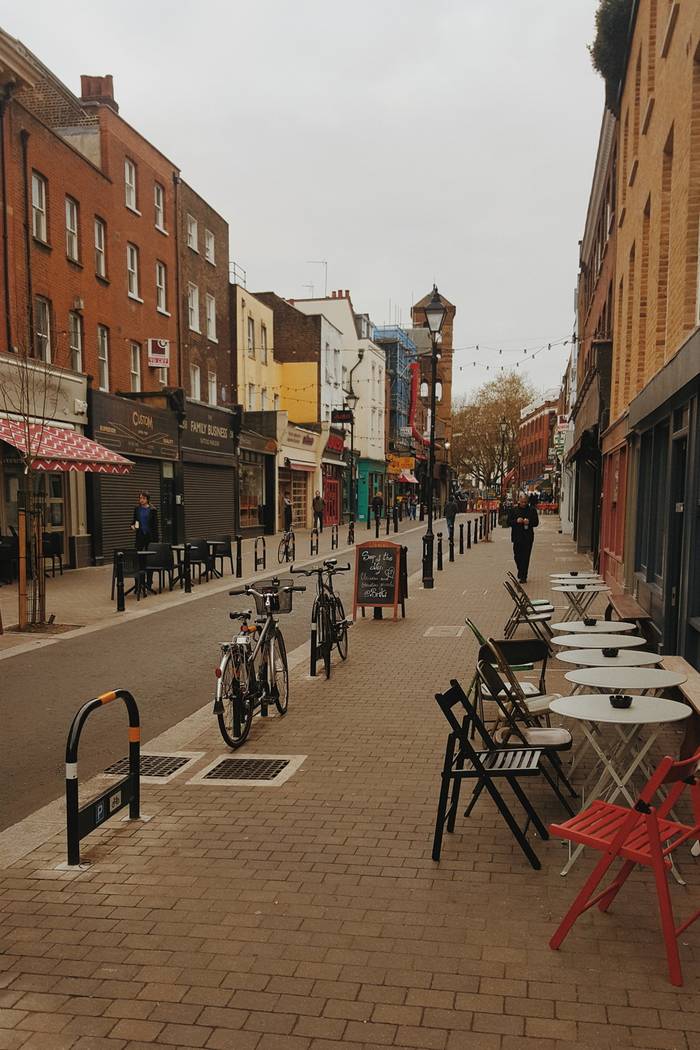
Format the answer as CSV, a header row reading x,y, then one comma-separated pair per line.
x,y
313,542
239,557
260,559
439,551
351,533
334,537
80,822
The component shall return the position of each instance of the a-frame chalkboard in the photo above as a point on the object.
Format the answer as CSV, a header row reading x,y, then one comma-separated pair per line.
x,y
377,576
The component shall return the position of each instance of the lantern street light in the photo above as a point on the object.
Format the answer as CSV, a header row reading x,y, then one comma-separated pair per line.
x,y
435,313
504,431
351,400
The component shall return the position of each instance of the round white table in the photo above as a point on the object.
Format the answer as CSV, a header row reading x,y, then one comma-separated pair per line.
x,y
595,658
579,597
624,678
599,627
599,641
594,709
587,575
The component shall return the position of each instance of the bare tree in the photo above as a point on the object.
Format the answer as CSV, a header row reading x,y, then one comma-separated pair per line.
x,y
476,421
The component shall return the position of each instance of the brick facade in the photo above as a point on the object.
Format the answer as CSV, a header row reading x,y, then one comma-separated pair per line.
x,y
534,441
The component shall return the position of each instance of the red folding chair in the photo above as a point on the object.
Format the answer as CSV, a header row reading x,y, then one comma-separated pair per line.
x,y
642,835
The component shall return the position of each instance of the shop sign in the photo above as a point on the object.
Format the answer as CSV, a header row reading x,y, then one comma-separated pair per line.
x,y
132,428
301,438
208,432
396,464
406,432
335,444
158,353
341,415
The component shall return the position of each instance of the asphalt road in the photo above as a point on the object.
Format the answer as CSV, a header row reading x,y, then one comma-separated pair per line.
x,y
167,660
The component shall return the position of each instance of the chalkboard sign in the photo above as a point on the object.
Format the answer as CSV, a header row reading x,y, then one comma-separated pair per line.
x,y
377,576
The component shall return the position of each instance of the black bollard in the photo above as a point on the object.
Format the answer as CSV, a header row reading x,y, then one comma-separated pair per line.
x,y
313,542
187,569
369,516
439,551
476,531
376,527
461,537
351,533
387,521
396,518
451,543
401,511
239,557
469,534
422,512
121,606
334,537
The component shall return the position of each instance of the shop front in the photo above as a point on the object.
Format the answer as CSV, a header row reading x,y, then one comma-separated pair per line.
x,y
298,474
333,468
371,475
208,472
401,479
148,436
257,477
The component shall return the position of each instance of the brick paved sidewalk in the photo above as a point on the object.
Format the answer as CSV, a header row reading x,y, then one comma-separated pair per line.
x,y
310,916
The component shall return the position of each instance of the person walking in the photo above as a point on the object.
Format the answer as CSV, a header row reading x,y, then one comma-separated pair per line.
x,y
377,505
287,511
144,522
450,515
523,519
318,505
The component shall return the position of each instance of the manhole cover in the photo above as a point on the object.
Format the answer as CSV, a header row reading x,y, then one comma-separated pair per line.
x,y
247,769
444,632
151,765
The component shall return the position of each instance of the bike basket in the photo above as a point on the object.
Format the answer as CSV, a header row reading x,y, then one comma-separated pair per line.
x,y
281,600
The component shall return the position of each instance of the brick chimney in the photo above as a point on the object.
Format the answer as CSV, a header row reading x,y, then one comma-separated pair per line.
x,y
98,91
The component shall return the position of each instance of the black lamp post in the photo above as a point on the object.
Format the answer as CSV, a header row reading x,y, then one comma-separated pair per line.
x,y
351,401
435,316
504,431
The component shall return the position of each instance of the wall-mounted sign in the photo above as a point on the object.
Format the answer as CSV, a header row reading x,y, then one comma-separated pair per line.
x,y
397,464
341,415
335,444
132,428
158,353
208,434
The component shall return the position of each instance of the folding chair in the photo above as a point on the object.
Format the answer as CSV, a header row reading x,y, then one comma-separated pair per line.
x,y
462,761
505,652
474,684
524,612
541,603
643,835
221,551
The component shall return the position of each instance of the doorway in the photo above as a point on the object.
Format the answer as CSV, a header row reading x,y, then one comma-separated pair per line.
x,y
679,460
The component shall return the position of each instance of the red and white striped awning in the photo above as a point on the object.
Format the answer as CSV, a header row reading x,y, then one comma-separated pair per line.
x,y
61,450
407,477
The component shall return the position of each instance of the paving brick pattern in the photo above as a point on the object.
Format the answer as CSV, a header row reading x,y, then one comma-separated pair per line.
x,y
310,916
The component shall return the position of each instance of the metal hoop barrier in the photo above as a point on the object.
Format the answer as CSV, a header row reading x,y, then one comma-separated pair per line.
x,y
351,533
313,542
334,537
80,822
439,551
121,604
239,557
461,537
260,559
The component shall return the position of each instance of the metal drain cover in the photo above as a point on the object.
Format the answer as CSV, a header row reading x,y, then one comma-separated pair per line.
x,y
151,765
247,769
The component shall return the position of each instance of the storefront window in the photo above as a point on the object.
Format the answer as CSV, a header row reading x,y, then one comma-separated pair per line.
x,y
252,488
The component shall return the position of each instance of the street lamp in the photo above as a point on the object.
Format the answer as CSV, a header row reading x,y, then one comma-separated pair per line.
x,y
351,401
435,313
504,431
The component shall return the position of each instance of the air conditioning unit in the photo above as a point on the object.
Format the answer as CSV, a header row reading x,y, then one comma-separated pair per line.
x,y
78,304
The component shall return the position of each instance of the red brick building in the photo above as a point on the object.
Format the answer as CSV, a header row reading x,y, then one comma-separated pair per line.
x,y
534,442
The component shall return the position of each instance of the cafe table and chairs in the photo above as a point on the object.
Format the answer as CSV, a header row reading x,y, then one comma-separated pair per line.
x,y
636,728
579,596
593,626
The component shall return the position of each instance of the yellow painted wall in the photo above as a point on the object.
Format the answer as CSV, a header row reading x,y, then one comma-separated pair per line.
x,y
252,370
299,390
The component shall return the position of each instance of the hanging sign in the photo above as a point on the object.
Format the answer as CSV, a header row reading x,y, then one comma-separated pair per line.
x,y
158,353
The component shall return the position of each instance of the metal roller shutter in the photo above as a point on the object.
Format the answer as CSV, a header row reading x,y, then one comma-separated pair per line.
x,y
210,501
119,496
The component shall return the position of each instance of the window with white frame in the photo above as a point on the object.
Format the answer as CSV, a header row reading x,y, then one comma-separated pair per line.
x,y
163,376
195,383
211,384
192,233
276,402
161,287
211,317
263,344
336,365
132,270
251,337
263,399
42,329
193,307
135,369
209,247
75,340
39,223
159,206
100,247
374,381
72,229
251,396
130,184
103,356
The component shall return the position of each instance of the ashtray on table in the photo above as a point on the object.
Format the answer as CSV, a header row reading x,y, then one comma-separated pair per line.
x,y
610,652
590,621
621,700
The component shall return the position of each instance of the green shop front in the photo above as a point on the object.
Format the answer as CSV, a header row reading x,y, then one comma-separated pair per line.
x,y
371,479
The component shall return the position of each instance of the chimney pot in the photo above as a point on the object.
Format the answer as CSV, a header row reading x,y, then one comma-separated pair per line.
x,y
98,91
333,295
347,294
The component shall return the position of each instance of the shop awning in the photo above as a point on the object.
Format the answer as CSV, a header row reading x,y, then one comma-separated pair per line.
x,y
407,477
298,465
61,450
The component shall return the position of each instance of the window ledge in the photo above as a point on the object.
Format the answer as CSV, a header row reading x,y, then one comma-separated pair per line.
x,y
162,229
646,119
165,313
75,262
134,210
212,339
135,298
212,262
633,172
42,244
103,280
197,330
670,26
623,212
192,249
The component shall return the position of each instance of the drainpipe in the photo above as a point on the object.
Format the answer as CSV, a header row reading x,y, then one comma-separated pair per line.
x,y
24,139
4,102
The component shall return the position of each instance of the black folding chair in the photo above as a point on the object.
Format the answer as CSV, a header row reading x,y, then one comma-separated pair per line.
x,y
200,558
524,612
222,550
486,767
133,570
506,652
52,543
163,564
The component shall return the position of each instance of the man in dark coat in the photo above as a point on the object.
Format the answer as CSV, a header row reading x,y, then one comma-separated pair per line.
x,y
288,513
144,522
450,515
523,519
377,505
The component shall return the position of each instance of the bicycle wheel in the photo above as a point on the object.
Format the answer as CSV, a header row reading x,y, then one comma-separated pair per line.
x,y
282,551
236,714
341,628
279,673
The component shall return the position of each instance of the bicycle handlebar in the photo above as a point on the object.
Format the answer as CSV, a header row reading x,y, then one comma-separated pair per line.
x,y
326,567
261,594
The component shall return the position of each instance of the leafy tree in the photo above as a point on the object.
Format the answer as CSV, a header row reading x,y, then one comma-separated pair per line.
x,y
609,48
476,428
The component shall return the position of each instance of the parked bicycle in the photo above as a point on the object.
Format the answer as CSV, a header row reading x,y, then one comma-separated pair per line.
x,y
253,670
328,620
287,548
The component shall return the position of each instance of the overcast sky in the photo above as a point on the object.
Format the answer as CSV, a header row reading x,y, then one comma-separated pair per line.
x,y
404,141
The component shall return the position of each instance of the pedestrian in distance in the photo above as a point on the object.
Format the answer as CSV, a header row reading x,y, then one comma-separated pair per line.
x,y
413,506
287,512
377,505
523,519
450,515
318,505
144,523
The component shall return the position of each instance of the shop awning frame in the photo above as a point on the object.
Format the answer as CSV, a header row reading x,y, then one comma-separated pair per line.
x,y
60,450
295,464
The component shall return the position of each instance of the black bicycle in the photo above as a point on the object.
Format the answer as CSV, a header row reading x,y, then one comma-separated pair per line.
x,y
287,547
328,620
253,671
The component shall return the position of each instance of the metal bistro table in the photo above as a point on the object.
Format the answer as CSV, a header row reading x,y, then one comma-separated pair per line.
x,y
599,627
178,550
601,640
572,577
595,658
646,679
594,709
580,596
212,545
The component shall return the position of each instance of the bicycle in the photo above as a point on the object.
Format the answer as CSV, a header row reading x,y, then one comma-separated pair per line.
x,y
253,671
287,548
327,615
